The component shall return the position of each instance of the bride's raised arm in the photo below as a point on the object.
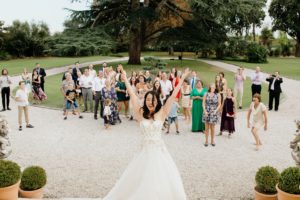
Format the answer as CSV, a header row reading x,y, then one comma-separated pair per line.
x,y
135,101
171,99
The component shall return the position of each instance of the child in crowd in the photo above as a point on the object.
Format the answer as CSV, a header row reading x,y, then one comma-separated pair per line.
x,y
71,101
107,113
173,116
22,103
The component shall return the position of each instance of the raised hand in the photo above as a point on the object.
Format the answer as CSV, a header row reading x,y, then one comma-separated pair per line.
x,y
186,73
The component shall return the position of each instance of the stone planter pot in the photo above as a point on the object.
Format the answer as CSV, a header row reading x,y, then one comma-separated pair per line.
x,y
286,196
35,194
10,192
262,196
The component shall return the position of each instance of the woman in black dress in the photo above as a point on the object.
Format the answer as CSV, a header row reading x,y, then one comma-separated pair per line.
x,y
228,113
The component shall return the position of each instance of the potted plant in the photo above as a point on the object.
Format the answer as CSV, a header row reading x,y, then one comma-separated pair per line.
x,y
266,179
10,174
288,185
33,180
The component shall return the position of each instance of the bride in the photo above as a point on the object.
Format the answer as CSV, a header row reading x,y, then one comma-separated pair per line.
x,y
152,174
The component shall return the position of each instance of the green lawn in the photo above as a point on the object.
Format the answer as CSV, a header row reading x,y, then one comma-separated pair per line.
x,y
206,73
288,67
16,66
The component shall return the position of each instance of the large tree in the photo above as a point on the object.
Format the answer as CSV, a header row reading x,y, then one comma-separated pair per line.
x,y
134,22
286,17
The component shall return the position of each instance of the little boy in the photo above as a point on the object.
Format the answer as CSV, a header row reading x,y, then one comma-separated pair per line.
x,y
22,103
173,116
71,101
107,113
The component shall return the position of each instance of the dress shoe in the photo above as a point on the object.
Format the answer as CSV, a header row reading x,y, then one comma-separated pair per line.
x,y
95,117
29,126
8,108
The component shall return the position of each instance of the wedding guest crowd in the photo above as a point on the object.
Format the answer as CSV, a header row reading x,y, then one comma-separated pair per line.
x,y
104,94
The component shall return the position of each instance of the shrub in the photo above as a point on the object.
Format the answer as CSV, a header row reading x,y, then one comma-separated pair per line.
x,y
266,179
10,173
256,53
33,178
277,52
4,55
289,180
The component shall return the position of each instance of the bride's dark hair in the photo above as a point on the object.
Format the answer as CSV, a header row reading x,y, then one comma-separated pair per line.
x,y
146,111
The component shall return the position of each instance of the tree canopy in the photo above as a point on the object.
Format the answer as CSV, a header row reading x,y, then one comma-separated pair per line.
x,y
286,17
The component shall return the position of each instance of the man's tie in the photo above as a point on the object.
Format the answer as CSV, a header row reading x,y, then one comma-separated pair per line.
x,y
193,83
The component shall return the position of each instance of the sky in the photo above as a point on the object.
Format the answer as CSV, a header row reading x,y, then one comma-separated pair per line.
x,y
52,12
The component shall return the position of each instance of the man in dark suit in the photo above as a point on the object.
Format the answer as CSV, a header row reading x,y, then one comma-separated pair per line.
x,y
76,69
42,73
274,90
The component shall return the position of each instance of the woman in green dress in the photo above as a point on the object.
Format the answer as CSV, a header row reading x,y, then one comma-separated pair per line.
x,y
122,96
197,109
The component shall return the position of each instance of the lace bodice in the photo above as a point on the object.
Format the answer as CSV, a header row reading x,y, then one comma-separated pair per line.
x,y
151,131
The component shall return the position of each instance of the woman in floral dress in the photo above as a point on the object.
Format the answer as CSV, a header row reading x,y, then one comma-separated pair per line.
x,y
211,106
109,92
37,92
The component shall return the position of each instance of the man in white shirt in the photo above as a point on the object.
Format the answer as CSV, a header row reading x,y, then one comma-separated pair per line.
x,y
22,103
98,84
257,79
93,72
166,86
86,83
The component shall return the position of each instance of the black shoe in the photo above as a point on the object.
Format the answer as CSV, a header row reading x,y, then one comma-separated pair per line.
x,y
213,144
3,110
131,118
84,111
206,145
8,108
113,123
29,126
20,128
95,117
276,110
270,109
80,117
177,132
119,120
65,118
240,107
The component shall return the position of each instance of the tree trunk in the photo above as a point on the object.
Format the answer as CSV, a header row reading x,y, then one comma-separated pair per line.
x,y
135,42
297,52
171,51
253,32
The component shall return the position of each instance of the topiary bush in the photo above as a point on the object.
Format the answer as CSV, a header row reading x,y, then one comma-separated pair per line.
x,y
289,180
266,179
33,178
10,173
256,53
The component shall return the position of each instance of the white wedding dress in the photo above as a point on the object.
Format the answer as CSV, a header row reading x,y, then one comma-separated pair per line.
x,y
152,174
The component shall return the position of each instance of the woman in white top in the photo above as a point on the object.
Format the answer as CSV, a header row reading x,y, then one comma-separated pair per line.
x,y
5,82
259,119
26,79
